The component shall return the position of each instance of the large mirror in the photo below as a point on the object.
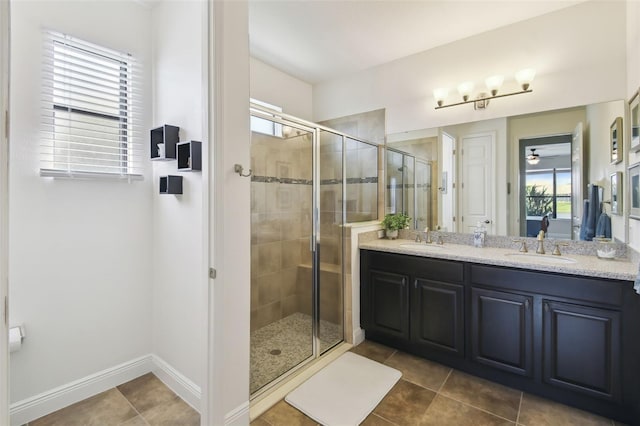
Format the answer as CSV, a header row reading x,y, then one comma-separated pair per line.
x,y
515,175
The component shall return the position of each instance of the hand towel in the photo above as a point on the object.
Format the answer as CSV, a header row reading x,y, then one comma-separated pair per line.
x,y
603,229
593,213
583,224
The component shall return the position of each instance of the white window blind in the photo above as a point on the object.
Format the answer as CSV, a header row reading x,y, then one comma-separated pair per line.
x,y
91,104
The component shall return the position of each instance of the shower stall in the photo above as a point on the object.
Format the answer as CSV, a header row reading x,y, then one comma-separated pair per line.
x,y
409,188
307,181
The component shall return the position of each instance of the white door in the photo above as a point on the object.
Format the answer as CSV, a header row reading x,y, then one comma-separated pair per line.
x,y
477,182
446,188
4,207
577,180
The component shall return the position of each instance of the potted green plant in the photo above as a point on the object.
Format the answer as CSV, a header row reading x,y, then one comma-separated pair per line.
x,y
393,223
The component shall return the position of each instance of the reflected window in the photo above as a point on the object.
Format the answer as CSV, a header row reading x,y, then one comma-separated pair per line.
x,y
548,193
263,125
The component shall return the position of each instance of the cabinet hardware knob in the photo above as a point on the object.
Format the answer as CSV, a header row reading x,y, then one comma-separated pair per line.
x,y
526,304
546,307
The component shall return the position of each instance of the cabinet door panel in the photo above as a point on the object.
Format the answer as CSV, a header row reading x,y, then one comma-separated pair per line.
x,y
389,309
582,348
437,315
502,333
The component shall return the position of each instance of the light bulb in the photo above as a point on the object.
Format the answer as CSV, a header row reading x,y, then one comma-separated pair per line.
x,y
525,77
465,90
494,83
440,95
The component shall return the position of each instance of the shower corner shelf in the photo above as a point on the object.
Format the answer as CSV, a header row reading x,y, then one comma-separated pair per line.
x,y
167,135
189,156
170,184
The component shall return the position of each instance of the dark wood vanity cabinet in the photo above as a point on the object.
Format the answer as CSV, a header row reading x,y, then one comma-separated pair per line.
x,y
568,338
502,330
437,313
388,310
582,349
422,306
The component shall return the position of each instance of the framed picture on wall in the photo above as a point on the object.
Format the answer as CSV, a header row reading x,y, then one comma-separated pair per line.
x,y
634,143
634,191
616,141
616,193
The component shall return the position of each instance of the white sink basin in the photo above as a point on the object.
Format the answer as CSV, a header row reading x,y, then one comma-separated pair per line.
x,y
422,246
539,258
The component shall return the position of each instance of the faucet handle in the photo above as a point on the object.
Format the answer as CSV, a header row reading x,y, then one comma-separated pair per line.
x,y
523,247
556,249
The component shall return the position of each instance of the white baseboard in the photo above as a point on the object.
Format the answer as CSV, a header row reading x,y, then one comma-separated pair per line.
x,y
239,416
29,409
177,382
358,336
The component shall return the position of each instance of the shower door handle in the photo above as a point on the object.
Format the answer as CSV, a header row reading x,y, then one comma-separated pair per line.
x,y
312,238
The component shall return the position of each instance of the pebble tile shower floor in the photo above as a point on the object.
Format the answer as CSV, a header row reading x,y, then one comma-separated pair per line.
x,y
281,345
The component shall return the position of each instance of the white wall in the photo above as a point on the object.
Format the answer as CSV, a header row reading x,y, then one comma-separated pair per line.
x,y
229,216
599,120
633,83
273,86
179,274
80,263
578,52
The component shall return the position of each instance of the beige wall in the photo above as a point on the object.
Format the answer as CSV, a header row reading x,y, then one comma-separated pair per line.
x,y
281,223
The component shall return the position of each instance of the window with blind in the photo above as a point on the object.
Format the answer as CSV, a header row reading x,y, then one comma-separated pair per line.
x,y
89,113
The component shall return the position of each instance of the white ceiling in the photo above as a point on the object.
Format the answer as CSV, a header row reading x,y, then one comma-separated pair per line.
x,y
317,40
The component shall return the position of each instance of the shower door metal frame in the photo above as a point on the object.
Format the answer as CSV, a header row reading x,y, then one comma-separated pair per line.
x,y
277,117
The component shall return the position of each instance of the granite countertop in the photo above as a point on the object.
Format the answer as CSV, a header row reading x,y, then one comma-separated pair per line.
x,y
588,266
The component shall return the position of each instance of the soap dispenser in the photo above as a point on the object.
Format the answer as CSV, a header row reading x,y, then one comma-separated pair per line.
x,y
479,235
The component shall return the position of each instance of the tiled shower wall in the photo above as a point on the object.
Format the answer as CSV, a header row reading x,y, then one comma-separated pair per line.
x,y
281,221
281,204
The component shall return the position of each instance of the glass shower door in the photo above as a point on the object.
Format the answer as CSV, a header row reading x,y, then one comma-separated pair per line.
x,y
423,195
281,259
330,241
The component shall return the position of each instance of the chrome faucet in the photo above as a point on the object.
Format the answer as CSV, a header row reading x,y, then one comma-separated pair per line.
x,y
540,249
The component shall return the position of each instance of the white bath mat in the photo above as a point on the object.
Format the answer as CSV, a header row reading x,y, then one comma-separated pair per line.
x,y
344,392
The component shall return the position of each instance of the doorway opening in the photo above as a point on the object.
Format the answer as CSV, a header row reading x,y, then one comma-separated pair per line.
x,y
545,186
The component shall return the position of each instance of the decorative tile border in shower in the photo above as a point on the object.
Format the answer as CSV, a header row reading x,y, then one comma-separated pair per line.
x,y
273,179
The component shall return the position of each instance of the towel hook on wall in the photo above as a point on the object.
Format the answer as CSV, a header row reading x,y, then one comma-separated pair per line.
x,y
239,170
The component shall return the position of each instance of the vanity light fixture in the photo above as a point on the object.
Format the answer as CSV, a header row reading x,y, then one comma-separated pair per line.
x,y
533,158
494,83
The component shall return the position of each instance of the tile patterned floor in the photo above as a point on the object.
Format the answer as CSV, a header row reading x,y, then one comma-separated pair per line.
x,y
432,394
144,401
